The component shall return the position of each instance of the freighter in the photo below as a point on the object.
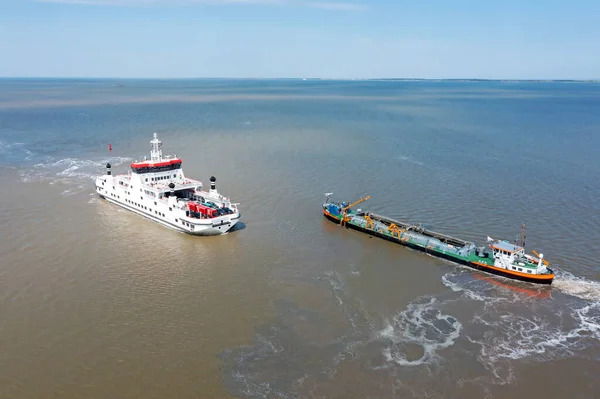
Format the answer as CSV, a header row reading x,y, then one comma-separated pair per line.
x,y
501,257
157,189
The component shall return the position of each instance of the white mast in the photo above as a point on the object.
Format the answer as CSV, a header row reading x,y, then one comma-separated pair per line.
x,y
156,152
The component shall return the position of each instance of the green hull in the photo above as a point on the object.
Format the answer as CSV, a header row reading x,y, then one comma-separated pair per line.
x,y
436,244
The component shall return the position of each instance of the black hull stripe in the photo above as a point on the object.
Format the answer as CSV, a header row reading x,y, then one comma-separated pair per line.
x,y
440,255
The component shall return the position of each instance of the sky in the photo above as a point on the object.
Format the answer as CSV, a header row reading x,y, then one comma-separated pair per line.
x,y
342,39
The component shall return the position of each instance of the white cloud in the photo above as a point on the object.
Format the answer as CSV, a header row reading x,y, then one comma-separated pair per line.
x,y
341,6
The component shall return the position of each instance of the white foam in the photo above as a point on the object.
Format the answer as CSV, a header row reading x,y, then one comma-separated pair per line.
x,y
536,337
408,159
576,286
423,325
516,325
462,287
76,173
15,150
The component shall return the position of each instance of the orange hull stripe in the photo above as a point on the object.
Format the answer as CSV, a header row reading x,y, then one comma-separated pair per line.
x,y
327,213
533,276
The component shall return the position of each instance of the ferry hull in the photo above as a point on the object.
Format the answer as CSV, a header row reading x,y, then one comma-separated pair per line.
x,y
491,270
208,230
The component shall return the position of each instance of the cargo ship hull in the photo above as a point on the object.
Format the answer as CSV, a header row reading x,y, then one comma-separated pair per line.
x,y
466,254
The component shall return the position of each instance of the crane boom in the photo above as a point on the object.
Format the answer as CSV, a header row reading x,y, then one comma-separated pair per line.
x,y
356,203
345,209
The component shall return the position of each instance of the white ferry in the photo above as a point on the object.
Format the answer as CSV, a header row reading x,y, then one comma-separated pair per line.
x,y
157,189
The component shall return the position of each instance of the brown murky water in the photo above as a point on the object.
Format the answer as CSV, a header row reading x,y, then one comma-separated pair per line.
x,y
97,302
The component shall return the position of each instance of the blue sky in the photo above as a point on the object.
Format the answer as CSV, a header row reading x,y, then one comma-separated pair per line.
x,y
511,39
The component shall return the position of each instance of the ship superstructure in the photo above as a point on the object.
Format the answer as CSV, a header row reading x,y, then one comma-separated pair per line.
x,y
157,188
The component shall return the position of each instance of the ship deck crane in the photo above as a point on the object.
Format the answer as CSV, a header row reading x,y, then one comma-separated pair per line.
x,y
345,209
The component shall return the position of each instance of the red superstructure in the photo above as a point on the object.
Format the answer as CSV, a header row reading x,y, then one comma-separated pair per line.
x,y
153,167
156,164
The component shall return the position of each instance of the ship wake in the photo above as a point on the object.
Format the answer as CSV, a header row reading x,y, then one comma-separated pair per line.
x,y
473,336
516,321
74,174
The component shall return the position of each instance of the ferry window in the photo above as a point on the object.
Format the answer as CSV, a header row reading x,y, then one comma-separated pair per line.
x,y
154,202
171,209
146,179
520,269
528,271
175,220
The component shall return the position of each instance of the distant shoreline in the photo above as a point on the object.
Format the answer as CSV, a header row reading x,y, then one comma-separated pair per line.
x,y
319,79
